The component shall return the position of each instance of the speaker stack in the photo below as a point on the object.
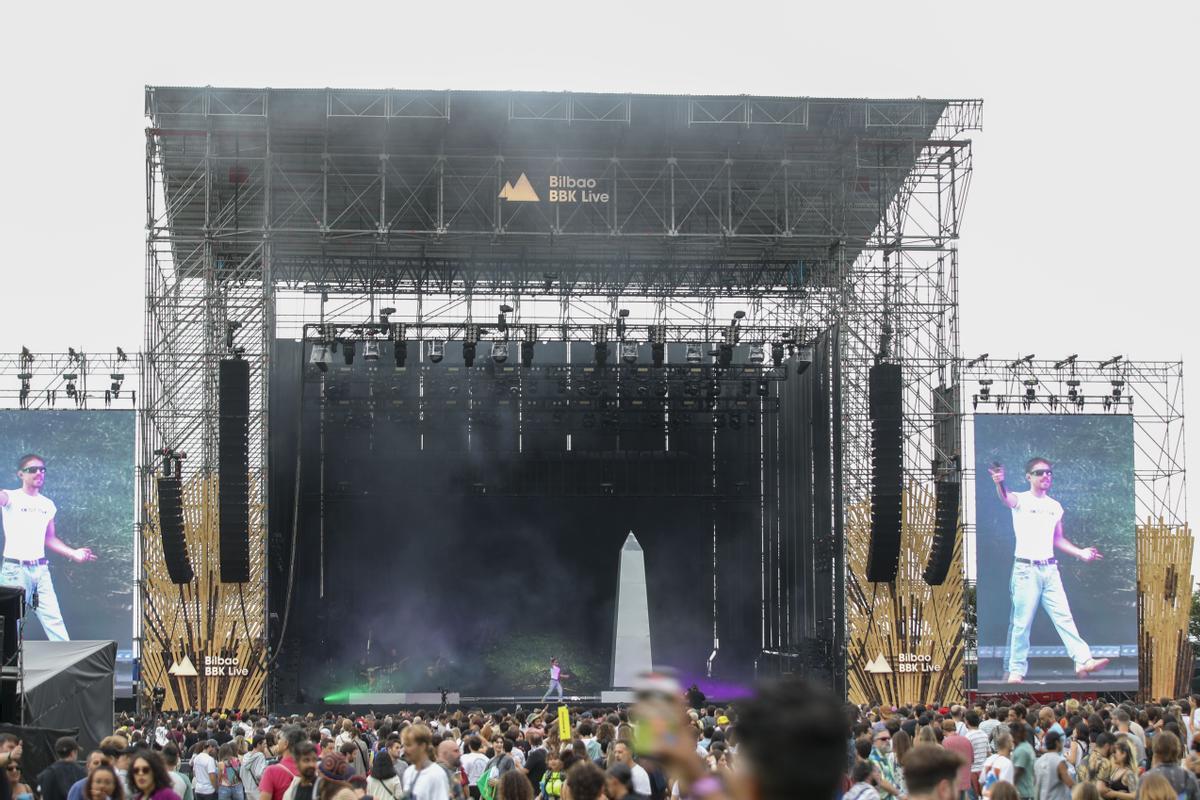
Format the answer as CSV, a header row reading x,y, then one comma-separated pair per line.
x,y
947,487
233,482
885,389
170,522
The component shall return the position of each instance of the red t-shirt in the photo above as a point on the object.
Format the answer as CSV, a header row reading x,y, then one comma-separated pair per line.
x,y
962,746
278,777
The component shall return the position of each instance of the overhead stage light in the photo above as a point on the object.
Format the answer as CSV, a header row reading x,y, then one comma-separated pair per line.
x,y
758,353
499,352
804,357
321,356
694,354
436,350
469,353
371,350
348,347
629,352
777,353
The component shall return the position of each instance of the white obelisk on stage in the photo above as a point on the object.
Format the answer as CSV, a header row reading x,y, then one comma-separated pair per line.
x,y
631,633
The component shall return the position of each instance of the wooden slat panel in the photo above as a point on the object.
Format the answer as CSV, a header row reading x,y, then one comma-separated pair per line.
x,y
1164,586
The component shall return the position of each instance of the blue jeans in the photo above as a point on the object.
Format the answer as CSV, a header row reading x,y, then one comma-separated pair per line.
x,y
236,792
37,579
1030,586
554,685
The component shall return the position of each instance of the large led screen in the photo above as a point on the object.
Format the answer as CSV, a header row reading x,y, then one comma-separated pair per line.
x,y
68,521
1055,552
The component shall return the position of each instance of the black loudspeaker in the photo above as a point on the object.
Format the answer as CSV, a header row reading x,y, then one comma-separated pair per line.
x,y
887,479
945,530
170,522
12,609
233,464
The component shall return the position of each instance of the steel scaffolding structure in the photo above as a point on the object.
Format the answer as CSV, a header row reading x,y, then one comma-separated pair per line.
x,y
268,210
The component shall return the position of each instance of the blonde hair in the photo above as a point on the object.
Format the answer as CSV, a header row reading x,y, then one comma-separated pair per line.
x,y
1155,787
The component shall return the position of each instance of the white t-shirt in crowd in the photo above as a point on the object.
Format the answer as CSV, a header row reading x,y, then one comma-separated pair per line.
x,y
203,765
474,764
641,780
996,765
1034,520
26,517
431,783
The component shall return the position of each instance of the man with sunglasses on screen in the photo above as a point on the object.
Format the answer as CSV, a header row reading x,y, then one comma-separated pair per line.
x,y
1037,525
28,532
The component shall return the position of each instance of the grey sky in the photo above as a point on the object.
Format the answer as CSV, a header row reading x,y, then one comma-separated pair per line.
x,y
1085,172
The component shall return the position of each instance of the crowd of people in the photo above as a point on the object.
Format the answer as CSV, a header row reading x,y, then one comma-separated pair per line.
x,y
790,740
1071,750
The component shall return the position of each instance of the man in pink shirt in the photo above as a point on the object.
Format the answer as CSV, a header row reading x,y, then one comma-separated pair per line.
x,y
961,745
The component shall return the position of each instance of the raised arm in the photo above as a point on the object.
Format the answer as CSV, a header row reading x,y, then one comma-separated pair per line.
x,y
57,545
997,473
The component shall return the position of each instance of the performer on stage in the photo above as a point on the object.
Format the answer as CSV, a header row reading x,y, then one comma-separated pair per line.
x,y
28,531
1037,525
555,674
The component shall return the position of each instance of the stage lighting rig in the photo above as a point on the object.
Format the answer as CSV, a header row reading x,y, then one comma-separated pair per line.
x,y
321,356
758,353
1112,362
804,357
502,318
528,342
348,347
117,379
1069,361
371,350
499,352
436,351
974,362
385,316
25,378
777,353
984,394
658,343
1030,392
694,354
1118,387
72,390
398,333
469,343
1022,360
1073,393
629,352
600,343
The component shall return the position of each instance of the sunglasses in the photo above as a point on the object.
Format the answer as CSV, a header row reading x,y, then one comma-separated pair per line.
x,y
1040,472
32,470
140,770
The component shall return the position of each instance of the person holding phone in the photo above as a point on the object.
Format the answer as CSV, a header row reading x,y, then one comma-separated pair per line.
x,y
1038,529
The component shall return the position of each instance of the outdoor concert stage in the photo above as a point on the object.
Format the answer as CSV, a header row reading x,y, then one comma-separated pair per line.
x,y
492,333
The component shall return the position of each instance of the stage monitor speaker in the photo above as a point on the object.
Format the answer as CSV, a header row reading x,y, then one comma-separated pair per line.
x,y
170,522
885,398
945,531
233,464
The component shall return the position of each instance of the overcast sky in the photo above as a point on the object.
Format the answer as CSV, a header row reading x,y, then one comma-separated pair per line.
x,y
1086,171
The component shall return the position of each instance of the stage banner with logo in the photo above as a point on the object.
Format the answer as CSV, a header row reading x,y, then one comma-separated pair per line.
x,y
68,523
1055,547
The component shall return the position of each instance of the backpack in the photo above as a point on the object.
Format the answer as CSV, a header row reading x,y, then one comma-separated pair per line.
x,y
485,785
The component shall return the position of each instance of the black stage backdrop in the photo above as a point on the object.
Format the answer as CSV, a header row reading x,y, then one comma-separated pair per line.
x,y
447,553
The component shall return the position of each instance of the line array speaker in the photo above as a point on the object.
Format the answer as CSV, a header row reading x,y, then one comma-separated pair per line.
x,y
887,481
233,465
945,531
170,522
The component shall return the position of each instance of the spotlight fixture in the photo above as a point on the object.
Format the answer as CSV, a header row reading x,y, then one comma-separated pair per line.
x,y
348,347
974,362
1068,361
70,378
436,350
758,353
1112,362
501,318
1030,391
694,354
777,353
985,388
499,352
804,357
629,352
371,350
1073,391
658,343
764,388
321,356
384,316
725,354
25,378
1117,387
469,354
398,332
117,379
1022,360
